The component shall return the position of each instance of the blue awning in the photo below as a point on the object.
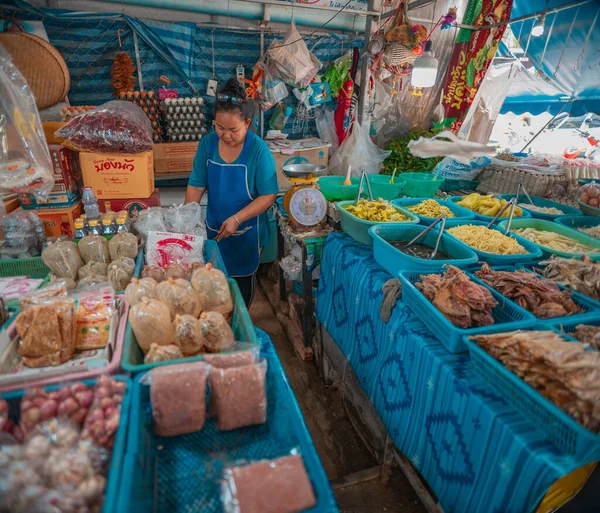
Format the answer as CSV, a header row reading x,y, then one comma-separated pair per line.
x,y
566,59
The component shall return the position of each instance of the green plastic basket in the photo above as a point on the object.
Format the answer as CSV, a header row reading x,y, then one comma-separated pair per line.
x,y
382,188
32,267
588,210
358,229
421,185
133,358
333,188
549,226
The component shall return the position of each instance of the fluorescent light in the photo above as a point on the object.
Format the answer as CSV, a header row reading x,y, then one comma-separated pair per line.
x,y
538,28
425,69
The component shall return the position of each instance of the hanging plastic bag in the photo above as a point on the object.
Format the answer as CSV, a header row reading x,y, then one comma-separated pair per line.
x,y
326,129
25,164
273,90
463,151
115,127
359,152
292,61
455,170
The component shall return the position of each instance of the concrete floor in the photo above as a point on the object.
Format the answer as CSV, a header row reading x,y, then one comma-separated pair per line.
x,y
339,447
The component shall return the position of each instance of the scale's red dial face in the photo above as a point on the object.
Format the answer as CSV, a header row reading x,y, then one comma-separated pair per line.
x,y
308,206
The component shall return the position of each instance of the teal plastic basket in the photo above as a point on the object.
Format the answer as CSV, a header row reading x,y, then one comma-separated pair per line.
x,y
588,210
458,211
569,437
394,261
481,217
32,267
540,224
577,222
507,315
533,251
358,229
567,327
382,188
12,315
542,202
591,308
459,185
333,188
114,475
133,357
421,185
183,473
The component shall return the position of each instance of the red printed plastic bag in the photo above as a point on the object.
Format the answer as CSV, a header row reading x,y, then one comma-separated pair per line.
x,y
115,127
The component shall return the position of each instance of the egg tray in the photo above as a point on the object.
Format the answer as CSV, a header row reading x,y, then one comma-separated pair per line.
x,y
150,104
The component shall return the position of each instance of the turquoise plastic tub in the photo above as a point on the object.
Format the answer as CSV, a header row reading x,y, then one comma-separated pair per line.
x,y
507,315
395,261
133,357
183,474
580,221
481,217
359,229
459,212
543,202
588,210
459,185
382,188
421,185
568,436
540,224
533,251
114,476
333,189
568,328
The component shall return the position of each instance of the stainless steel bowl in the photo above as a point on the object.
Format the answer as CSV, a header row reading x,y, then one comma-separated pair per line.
x,y
303,170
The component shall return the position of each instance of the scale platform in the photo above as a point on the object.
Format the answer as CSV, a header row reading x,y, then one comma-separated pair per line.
x,y
300,171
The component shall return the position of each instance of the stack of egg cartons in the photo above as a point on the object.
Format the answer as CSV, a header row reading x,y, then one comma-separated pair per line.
x,y
185,119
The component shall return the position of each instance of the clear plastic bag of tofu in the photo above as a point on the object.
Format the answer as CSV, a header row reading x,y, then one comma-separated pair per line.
x,y
242,354
239,395
178,397
280,485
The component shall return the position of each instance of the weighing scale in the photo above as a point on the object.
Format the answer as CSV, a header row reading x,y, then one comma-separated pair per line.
x,y
304,202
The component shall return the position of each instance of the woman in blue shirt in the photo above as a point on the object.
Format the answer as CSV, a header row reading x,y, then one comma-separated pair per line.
x,y
237,169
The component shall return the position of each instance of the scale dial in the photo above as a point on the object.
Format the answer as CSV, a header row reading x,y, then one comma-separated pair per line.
x,y
308,206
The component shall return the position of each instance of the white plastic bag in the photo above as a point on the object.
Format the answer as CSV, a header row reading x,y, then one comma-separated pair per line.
x,y
326,129
455,170
25,164
359,152
463,151
273,90
292,61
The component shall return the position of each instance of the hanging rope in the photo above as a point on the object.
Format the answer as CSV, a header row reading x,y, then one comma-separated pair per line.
x,y
587,40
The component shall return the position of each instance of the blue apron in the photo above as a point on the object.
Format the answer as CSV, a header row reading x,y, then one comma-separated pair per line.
x,y
228,193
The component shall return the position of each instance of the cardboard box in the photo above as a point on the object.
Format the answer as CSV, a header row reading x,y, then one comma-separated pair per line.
x,y
302,151
60,221
67,173
56,200
113,176
49,128
133,206
174,157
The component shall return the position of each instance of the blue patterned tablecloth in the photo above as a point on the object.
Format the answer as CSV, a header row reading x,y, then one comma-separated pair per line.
x,y
476,453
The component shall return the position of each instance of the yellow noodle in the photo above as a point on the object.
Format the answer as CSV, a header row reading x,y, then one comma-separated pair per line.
x,y
430,208
485,239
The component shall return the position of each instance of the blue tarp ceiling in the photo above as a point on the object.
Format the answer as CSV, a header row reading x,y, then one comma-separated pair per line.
x,y
566,59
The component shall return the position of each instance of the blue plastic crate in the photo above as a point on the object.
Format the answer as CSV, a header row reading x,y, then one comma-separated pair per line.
x,y
393,260
481,217
591,308
182,473
458,211
113,480
567,327
569,437
533,251
507,315
543,202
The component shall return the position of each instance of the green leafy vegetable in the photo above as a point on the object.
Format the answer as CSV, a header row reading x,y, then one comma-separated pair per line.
x,y
404,160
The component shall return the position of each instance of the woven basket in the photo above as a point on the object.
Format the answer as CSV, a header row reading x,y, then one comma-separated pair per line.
x,y
42,66
499,180
396,54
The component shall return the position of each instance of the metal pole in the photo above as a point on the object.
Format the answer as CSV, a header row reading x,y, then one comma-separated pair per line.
x,y
262,112
364,70
137,60
549,121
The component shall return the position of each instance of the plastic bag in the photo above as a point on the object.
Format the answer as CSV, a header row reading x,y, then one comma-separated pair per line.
x,y
94,248
63,259
115,127
158,353
455,170
177,271
590,194
179,296
68,283
118,277
326,129
188,335
92,268
216,332
359,152
92,280
150,220
138,289
93,318
283,480
240,395
292,61
126,264
338,73
25,163
178,397
185,219
273,90
155,272
213,290
240,358
123,245
463,151
52,290
151,322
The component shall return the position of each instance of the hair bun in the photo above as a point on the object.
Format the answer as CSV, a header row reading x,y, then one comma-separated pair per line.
x,y
233,87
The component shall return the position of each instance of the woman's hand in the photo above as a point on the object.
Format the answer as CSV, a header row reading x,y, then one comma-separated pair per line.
x,y
228,228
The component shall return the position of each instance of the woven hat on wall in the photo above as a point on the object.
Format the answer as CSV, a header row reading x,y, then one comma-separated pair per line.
x,y
41,64
396,54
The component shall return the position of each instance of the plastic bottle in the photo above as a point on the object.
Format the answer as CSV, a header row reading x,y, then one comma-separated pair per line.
x,y
280,116
107,226
122,225
94,227
80,231
90,204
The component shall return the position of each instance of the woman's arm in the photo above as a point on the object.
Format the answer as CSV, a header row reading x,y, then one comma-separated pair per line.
x,y
194,194
257,207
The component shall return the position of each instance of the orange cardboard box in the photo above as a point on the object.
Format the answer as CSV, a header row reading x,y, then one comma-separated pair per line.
x,y
121,176
174,157
60,221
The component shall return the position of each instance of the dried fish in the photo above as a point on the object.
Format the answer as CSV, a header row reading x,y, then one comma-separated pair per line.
x,y
588,334
562,371
537,295
464,303
581,275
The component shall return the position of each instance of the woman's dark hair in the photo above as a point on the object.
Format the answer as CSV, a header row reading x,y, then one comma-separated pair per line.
x,y
234,88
